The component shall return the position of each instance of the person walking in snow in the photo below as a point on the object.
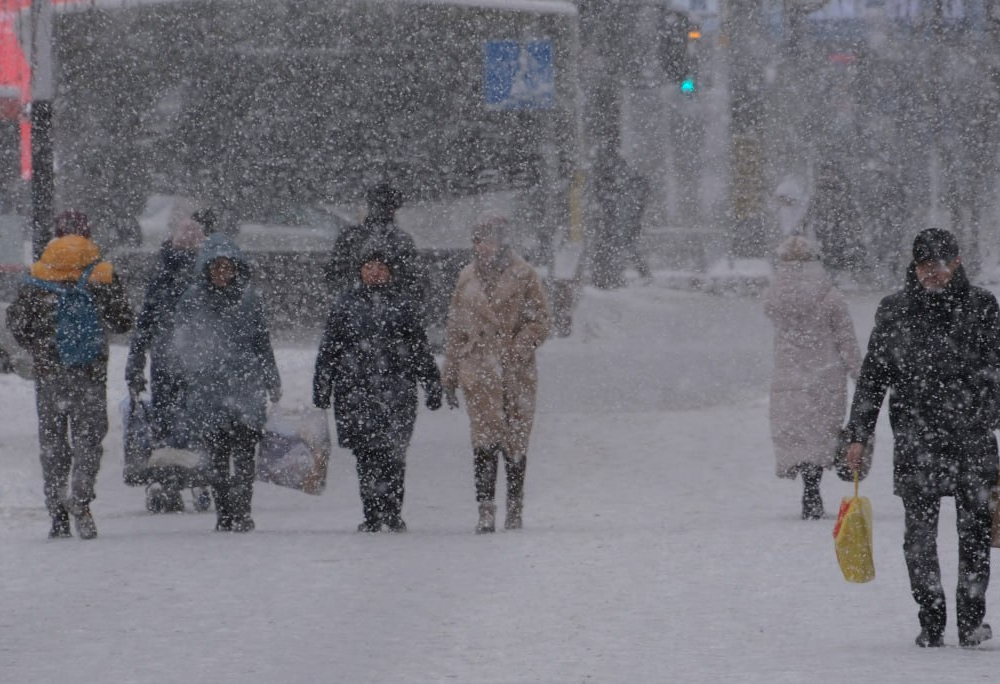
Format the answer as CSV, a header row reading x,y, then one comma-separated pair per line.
x,y
70,394
373,354
498,317
815,351
222,349
154,325
935,349
834,219
378,231
153,329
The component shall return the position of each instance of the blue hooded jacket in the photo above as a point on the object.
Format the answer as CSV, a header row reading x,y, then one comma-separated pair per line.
x,y
223,348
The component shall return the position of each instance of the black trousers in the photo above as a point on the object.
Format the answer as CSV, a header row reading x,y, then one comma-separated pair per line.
x,y
920,550
380,482
233,488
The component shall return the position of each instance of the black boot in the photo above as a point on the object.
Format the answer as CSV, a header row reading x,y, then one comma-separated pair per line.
x,y
223,516
812,502
60,524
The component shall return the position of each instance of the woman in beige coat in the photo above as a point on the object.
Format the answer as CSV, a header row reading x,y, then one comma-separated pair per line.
x,y
498,317
815,350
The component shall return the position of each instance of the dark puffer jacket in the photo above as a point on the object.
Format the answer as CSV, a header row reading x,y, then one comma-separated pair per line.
x,y
937,354
373,354
222,347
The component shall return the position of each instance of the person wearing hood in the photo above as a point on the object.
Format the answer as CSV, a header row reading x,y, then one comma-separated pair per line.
x,y
498,317
70,396
153,328
815,351
935,349
222,350
373,355
378,231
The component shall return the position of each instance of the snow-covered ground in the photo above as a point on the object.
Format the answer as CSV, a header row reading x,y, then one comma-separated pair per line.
x,y
658,546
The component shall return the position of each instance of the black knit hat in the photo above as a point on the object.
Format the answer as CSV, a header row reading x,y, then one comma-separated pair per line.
x,y
934,244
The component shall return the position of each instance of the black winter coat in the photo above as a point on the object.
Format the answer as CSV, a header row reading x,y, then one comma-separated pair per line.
x,y
344,269
155,322
373,354
937,354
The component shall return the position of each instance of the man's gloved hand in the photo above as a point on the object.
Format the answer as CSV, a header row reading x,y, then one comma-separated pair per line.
x,y
451,397
275,394
433,399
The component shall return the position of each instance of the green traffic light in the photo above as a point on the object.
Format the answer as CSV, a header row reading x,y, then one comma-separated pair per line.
x,y
687,86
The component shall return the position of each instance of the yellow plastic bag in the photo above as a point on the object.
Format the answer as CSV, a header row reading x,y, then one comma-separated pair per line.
x,y
852,538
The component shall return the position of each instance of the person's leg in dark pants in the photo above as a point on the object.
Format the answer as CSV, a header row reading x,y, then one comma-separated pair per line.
x,y
920,551
55,454
973,522
243,449
219,454
392,489
369,473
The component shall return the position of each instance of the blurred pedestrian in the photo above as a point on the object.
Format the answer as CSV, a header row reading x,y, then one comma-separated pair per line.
x,y
815,351
834,220
498,317
373,354
378,231
935,349
883,202
154,327
70,354
222,349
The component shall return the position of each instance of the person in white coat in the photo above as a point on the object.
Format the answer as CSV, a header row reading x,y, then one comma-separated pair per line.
x,y
815,351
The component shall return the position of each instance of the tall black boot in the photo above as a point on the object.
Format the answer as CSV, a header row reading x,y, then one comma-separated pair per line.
x,y
515,493
812,502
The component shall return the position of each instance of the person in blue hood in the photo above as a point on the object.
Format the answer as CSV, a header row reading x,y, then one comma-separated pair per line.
x,y
223,350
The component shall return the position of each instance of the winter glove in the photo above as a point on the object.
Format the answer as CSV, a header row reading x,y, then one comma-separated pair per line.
x,y
135,376
275,394
451,397
433,399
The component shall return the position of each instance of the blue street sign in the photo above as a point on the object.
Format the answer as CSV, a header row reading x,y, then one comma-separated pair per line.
x,y
519,75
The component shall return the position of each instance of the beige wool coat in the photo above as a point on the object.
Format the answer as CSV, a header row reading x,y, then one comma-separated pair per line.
x,y
495,323
815,351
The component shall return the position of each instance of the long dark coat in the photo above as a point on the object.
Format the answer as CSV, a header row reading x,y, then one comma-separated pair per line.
x,y
937,355
155,325
373,353
223,348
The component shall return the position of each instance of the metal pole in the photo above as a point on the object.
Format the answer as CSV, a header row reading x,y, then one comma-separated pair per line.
x,y
746,102
42,92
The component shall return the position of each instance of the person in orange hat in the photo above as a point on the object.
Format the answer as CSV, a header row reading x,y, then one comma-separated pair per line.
x,y
70,390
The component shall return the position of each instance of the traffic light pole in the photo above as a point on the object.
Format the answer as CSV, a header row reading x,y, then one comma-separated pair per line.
x,y
42,92
746,108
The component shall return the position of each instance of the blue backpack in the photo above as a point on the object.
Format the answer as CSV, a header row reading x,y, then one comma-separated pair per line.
x,y
79,333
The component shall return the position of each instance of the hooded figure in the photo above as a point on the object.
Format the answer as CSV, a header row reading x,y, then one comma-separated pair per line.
x,y
815,351
222,350
373,354
498,317
935,349
71,400
154,326
379,232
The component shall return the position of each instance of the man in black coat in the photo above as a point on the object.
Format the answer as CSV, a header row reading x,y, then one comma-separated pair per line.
x,y
373,353
935,348
378,231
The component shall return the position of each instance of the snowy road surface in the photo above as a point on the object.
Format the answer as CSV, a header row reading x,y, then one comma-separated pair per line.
x,y
658,546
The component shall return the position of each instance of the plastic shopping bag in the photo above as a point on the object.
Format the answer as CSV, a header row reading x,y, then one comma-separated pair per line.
x,y
852,538
295,449
138,435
